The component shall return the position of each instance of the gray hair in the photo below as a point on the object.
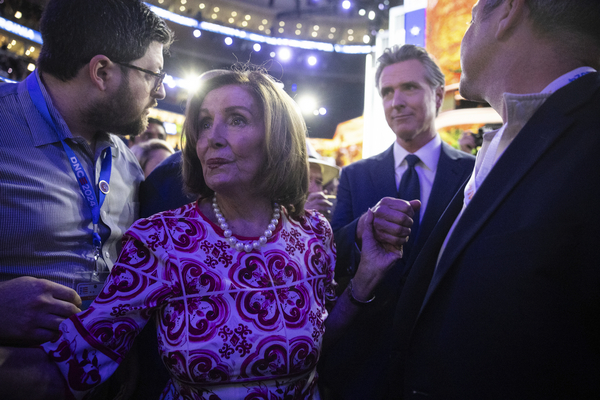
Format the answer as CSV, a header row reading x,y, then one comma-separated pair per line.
x,y
396,54
569,21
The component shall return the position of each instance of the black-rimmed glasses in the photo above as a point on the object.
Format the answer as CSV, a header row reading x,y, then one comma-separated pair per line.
x,y
159,75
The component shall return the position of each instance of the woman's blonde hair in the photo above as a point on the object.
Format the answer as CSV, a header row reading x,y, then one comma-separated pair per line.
x,y
285,174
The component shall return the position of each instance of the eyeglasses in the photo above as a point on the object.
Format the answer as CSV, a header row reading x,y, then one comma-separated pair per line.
x,y
159,75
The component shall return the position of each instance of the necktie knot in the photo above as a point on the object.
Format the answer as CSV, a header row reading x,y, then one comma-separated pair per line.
x,y
412,160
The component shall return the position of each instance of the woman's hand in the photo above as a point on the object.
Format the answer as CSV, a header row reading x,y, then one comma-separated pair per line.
x,y
376,258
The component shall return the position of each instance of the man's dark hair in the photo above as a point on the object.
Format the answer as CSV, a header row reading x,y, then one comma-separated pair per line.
x,y
575,18
155,121
74,31
395,54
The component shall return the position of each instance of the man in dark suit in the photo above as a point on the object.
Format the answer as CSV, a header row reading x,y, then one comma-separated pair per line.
x,y
412,89
503,301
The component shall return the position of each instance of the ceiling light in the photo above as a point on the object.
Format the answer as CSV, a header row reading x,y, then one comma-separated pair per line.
x,y
30,67
234,14
281,23
216,9
257,47
316,27
314,34
350,31
298,26
228,41
346,5
298,32
284,54
244,23
332,30
371,15
231,20
18,15
350,38
322,111
248,17
281,30
366,39
202,6
182,8
362,12
312,61
264,22
197,33
261,28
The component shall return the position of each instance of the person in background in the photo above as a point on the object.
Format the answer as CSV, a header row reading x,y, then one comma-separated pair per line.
x,y
69,185
503,301
321,174
154,130
238,281
151,153
418,167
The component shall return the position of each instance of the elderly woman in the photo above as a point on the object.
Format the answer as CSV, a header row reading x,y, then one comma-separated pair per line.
x,y
238,281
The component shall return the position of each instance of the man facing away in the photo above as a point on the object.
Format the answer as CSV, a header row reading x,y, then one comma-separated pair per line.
x,y
503,301
69,186
412,90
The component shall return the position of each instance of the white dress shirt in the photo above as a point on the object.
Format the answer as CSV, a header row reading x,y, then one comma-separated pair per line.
x,y
426,168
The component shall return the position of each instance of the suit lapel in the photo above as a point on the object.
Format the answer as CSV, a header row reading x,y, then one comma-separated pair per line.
x,y
545,127
383,176
449,177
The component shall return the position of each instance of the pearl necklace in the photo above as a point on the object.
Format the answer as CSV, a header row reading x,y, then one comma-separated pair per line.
x,y
246,247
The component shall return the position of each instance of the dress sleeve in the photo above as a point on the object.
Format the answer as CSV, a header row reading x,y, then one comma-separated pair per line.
x,y
93,343
324,233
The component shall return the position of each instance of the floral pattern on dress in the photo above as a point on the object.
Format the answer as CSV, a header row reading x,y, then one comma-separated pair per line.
x,y
230,325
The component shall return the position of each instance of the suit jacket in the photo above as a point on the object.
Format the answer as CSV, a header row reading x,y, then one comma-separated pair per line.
x,y
513,310
163,189
355,367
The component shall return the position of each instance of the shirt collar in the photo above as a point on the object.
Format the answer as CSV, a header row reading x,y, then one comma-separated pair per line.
x,y
428,154
521,107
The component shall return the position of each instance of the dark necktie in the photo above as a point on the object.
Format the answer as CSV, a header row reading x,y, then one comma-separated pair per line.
x,y
410,189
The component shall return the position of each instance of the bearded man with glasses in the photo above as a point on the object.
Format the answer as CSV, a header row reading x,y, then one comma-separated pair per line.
x,y
69,185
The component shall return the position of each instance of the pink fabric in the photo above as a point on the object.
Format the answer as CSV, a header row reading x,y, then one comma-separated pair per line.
x,y
230,325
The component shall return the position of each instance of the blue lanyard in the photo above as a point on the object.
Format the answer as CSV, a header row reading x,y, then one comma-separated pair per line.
x,y
88,187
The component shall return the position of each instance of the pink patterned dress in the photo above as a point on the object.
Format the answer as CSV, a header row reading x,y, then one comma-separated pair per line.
x,y
230,325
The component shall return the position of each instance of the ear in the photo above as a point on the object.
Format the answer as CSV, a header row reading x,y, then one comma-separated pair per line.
x,y
511,14
439,97
102,71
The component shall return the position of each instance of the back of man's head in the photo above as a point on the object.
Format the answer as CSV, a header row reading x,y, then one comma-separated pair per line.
x,y
396,54
574,24
74,31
